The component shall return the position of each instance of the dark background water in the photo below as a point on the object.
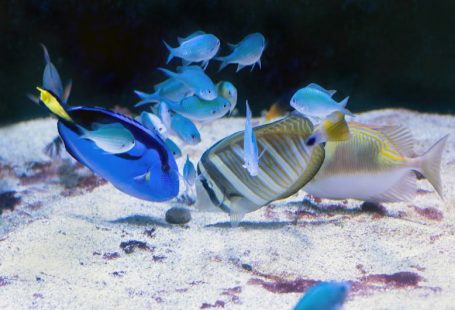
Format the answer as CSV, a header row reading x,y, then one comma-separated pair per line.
x,y
381,53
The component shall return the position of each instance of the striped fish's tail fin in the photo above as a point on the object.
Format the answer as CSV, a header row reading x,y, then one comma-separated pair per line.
x,y
50,101
430,164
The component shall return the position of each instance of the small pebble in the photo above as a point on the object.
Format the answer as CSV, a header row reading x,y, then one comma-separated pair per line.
x,y
178,215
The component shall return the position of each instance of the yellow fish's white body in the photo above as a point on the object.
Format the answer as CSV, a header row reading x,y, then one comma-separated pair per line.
x,y
376,164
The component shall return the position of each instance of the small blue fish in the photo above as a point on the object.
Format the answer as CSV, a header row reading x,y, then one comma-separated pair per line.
x,y
317,103
324,296
147,171
173,147
189,173
153,122
227,90
197,47
196,80
250,146
198,109
245,53
112,138
184,129
170,89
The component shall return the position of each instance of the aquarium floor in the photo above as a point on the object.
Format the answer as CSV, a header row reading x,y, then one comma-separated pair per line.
x,y
69,240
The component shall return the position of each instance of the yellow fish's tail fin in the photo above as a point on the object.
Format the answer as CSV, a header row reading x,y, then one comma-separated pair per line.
x,y
332,128
430,164
51,102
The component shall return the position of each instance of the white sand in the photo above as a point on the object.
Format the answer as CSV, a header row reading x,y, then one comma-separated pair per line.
x,y
55,254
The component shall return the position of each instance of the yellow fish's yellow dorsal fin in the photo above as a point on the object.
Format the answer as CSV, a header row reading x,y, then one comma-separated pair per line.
x,y
335,127
53,104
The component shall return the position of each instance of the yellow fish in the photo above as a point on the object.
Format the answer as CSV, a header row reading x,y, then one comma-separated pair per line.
x,y
376,164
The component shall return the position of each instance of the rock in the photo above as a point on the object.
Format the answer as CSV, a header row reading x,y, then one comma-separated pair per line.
x,y
178,215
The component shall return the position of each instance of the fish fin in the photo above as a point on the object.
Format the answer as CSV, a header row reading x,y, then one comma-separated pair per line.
x,y
47,58
259,64
171,52
403,190
67,91
232,46
335,127
430,164
204,64
168,72
400,137
51,102
194,34
252,67
143,177
239,67
332,92
343,104
33,98
236,218
294,123
186,62
262,153
142,95
223,64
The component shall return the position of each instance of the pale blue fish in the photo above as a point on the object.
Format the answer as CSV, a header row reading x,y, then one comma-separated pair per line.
x,y
245,53
189,172
198,109
154,123
227,90
324,296
250,146
112,138
173,147
184,129
170,89
165,114
197,47
319,87
195,79
317,103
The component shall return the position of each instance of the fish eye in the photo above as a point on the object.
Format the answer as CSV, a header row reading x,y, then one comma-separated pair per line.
x,y
193,136
209,91
214,111
311,141
224,105
229,92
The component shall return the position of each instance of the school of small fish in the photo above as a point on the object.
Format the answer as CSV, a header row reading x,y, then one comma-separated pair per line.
x,y
317,148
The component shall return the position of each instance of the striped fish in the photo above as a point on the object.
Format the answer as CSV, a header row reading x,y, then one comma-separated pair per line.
x,y
376,164
286,166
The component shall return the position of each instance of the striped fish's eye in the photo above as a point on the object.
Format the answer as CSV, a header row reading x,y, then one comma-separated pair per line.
x,y
311,141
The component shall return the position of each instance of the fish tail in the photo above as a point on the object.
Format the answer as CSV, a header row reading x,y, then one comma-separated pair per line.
x,y
167,72
343,102
171,52
53,104
47,58
223,64
430,164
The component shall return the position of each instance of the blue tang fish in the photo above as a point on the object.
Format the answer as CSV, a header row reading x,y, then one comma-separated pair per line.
x,y
317,102
324,296
245,53
146,171
197,47
195,79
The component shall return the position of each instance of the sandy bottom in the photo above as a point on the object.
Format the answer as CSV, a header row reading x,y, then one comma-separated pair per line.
x,y
70,240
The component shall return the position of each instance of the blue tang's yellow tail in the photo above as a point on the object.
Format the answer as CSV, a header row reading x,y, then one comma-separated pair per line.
x,y
51,102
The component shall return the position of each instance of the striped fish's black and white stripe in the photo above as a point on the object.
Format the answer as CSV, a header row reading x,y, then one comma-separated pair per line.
x,y
285,167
